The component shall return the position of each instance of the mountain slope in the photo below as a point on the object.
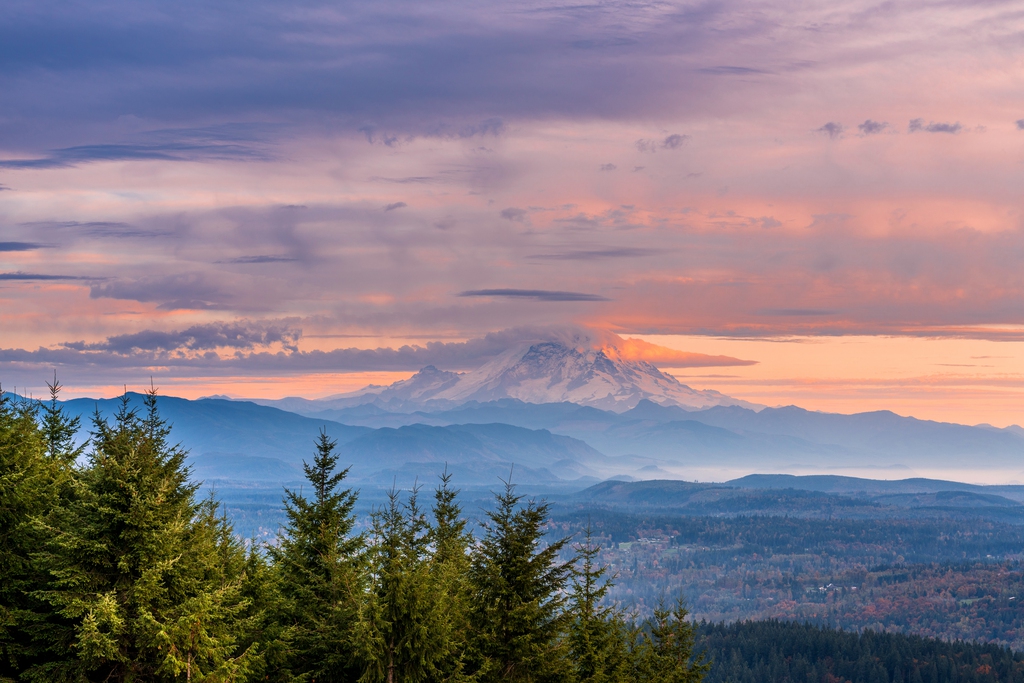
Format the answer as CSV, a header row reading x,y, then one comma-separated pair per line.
x,y
545,372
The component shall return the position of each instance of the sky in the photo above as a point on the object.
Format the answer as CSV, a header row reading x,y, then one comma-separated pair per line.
x,y
270,198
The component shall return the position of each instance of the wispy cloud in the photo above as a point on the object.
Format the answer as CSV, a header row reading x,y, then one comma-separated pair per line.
x,y
933,127
22,246
534,294
832,129
870,127
16,276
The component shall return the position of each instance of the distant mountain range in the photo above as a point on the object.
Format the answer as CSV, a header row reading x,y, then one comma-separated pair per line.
x,y
545,372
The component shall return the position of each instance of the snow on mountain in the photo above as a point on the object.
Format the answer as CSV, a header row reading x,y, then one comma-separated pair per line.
x,y
546,372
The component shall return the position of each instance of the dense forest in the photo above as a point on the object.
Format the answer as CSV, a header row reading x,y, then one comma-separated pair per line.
x,y
779,652
112,568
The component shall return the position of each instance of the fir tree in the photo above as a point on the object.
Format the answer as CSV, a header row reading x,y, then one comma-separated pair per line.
x,y
518,617
665,653
25,492
597,634
59,428
144,578
319,560
398,629
449,568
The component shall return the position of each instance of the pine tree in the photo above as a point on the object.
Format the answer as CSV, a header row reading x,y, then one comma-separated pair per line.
x,y
518,617
597,634
319,560
144,579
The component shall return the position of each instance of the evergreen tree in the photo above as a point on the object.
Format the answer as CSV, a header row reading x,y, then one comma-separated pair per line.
x,y
399,641
144,578
597,634
24,493
664,652
449,569
518,616
59,428
319,561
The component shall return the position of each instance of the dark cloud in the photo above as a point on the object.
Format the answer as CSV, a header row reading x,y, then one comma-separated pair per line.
x,y
596,254
258,259
22,246
674,141
733,71
395,205
608,167
195,350
870,127
514,214
1020,124
40,276
832,129
534,294
96,228
231,335
933,127
72,156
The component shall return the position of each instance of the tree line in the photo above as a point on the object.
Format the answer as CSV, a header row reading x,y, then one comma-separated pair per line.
x,y
113,568
779,651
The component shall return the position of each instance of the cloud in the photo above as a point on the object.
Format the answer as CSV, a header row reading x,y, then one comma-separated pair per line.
x,y
43,277
96,228
232,335
258,259
733,71
674,141
269,348
534,294
395,205
174,292
832,129
932,127
22,246
514,214
73,156
595,254
870,127
1020,124
608,167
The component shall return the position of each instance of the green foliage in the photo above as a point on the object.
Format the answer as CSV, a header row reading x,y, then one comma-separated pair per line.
x,y
145,580
517,615
778,651
25,484
663,652
319,562
597,634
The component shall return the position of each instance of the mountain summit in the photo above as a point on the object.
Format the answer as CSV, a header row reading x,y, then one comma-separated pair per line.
x,y
545,372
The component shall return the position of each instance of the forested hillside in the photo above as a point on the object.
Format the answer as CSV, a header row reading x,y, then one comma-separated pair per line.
x,y
782,652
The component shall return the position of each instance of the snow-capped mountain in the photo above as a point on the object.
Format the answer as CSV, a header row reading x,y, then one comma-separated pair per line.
x,y
545,372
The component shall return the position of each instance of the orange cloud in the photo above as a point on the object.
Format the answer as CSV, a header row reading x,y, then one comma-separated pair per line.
x,y
638,349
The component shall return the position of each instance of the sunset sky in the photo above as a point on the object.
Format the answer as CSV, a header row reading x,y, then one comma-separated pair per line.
x,y
270,199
